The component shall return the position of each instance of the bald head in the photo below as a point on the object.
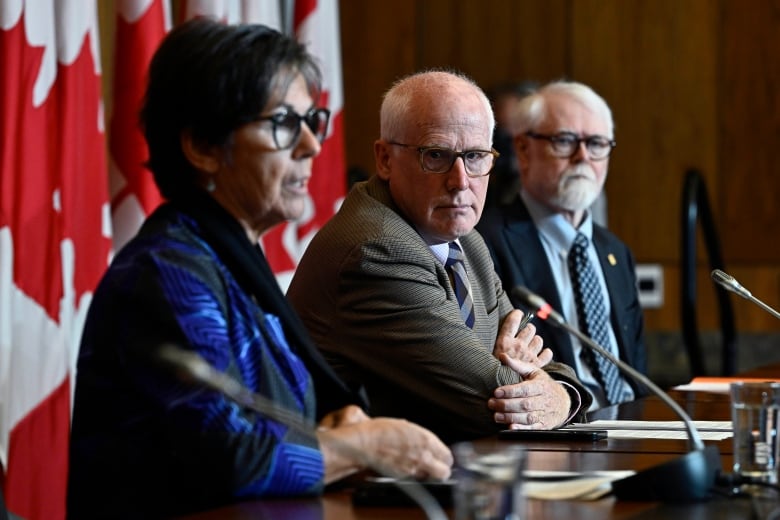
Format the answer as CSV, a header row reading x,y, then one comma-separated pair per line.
x,y
416,99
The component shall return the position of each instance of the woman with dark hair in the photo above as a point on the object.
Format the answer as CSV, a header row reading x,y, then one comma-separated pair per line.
x,y
232,127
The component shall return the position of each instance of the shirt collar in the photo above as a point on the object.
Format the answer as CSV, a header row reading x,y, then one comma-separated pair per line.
x,y
442,251
553,226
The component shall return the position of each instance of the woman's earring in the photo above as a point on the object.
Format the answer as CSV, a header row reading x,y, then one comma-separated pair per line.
x,y
211,185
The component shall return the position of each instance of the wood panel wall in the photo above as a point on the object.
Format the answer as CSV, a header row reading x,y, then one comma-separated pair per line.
x,y
692,84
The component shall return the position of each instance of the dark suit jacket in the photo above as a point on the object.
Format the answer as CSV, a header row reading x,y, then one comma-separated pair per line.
x,y
382,309
520,259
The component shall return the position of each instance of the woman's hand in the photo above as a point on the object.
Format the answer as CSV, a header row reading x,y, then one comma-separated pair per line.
x,y
393,447
404,449
350,414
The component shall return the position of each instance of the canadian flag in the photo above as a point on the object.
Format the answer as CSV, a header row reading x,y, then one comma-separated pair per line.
x,y
54,235
315,23
267,12
140,26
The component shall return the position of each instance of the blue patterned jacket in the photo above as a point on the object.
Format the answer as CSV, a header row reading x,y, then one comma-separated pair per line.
x,y
146,442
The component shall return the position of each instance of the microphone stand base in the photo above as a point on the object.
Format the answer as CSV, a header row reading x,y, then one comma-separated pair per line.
x,y
689,478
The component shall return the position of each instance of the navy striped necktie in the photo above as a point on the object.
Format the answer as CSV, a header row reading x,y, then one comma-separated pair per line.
x,y
592,317
457,268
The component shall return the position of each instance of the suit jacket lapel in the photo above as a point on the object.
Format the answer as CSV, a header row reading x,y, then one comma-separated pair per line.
x,y
532,261
615,287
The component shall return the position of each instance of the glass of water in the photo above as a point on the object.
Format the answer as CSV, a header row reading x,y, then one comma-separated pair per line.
x,y
755,410
488,480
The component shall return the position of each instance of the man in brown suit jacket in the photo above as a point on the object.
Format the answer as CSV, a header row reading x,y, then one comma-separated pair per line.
x,y
374,292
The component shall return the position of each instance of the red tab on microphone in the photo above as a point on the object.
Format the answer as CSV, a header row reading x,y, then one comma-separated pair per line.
x,y
544,311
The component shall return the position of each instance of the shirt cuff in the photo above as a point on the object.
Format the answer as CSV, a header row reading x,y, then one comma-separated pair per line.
x,y
576,401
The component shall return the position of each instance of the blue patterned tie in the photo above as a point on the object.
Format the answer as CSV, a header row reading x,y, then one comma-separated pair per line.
x,y
457,269
593,318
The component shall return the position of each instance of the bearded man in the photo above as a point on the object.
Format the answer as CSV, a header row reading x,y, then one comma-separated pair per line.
x,y
546,240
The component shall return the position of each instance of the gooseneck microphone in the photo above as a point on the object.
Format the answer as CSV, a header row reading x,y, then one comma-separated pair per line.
x,y
192,369
686,479
729,283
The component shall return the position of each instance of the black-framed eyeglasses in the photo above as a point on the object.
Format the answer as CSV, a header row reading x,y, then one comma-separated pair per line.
x,y
435,159
287,125
566,144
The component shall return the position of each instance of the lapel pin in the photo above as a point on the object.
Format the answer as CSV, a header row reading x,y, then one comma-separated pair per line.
x,y
612,259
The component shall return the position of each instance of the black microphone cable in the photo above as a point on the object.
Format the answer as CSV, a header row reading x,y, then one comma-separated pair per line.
x,y
732,482
765,505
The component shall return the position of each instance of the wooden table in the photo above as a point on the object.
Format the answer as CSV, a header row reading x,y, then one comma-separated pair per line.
x,y
615,454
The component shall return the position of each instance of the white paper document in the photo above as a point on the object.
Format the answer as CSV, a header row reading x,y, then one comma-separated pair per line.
x,y
708,430
570,485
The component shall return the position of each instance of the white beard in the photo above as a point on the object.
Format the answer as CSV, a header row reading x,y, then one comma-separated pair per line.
x,y
577,189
